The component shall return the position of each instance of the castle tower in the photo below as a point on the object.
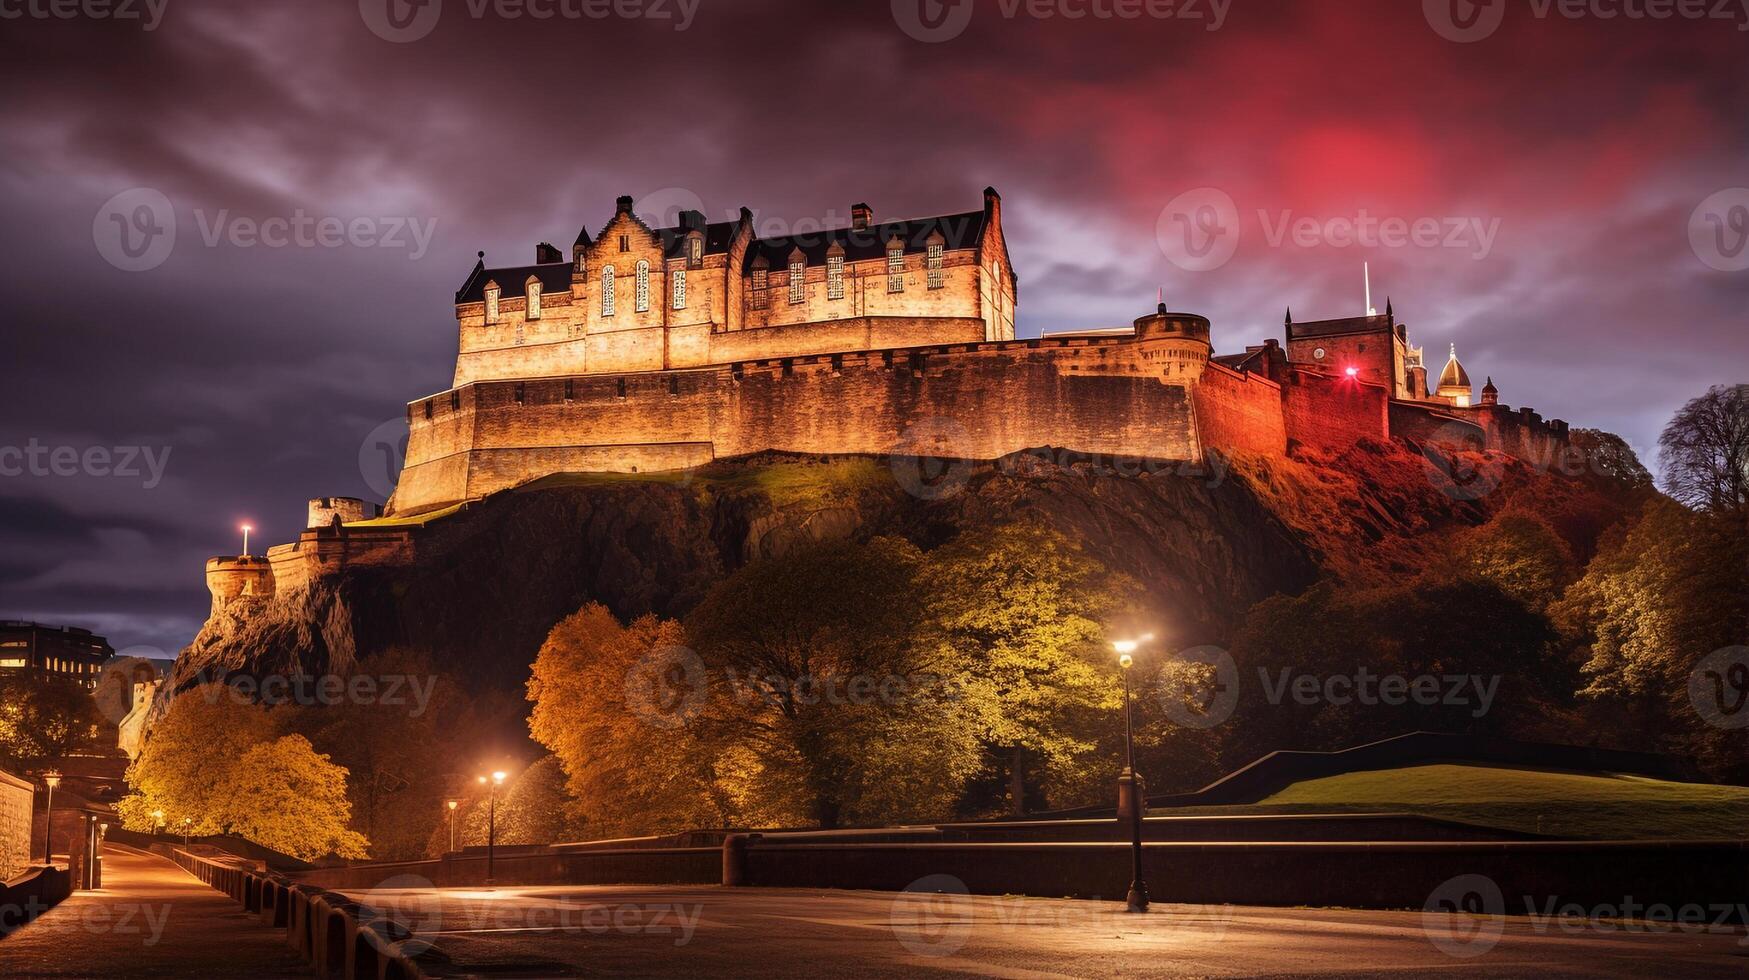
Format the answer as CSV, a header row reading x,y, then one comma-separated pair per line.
x,y
1454,382
1490,394
1178,342
234,578
325,512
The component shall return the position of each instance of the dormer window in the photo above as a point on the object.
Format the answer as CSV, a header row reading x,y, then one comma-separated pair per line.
x,y
835,272
607,290
677,289
760,281
492,292
798,277
895,266
933,262
533,288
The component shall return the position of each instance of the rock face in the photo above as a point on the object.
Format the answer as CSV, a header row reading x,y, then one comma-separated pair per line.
x,y
490,584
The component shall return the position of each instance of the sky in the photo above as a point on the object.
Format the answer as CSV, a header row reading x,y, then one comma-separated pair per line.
x,y
1561,189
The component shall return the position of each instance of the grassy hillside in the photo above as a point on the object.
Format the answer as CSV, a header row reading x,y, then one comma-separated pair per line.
x,y
1599,807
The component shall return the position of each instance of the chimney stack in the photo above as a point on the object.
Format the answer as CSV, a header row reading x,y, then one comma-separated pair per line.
x,y
546,254
861,216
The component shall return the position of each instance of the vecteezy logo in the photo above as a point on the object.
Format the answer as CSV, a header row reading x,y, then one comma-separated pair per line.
x,y
932,916
1464,21
667,687
1461,474
932,21
1200,698
1199,230
400,21
1463,916
1719,688
662,207
1718,230
407,910
135,230
927,461
381,456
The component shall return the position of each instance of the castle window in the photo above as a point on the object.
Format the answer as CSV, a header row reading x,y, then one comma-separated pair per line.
x,y
679,289
695,250
759,284
625,243
533,298
798,277
491,302
895,267
933,264
643,292
521,393
570,389
455,401
607,291
835,277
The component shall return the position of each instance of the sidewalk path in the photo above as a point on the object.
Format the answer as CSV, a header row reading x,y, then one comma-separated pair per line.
x,y
151,920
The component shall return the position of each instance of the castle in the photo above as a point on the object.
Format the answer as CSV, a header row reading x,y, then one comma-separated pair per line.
x,y
660,349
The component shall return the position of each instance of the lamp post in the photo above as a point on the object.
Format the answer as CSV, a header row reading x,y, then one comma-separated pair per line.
x,y
246,529
53,779
492,785
452,804
157,821
187,825
1137,899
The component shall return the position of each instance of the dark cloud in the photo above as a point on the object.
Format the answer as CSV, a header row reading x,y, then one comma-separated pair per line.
x,y
264,371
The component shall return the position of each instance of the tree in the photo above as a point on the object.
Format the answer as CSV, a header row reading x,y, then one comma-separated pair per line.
x,y
45,717
1609,456
832,702
1025,614
220,763
1518,551
1704,451
630,768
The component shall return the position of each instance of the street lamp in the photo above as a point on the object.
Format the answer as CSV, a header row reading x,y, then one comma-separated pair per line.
x,y
187,825
157,821
246,529
496,781
53,779
1137,899
452,804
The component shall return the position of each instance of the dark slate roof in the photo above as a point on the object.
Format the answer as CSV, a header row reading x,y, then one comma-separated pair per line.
x,y
1326,328
958,231
554,278
717,236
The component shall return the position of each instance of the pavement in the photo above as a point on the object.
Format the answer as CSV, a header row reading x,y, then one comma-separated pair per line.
x,y
152,919
665,931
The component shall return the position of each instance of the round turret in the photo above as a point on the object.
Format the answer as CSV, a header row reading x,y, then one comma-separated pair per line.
x,y
324,511
1177,342
235,576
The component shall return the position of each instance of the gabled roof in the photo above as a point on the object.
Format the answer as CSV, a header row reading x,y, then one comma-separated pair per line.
x,y
1297,330
958,231
555,277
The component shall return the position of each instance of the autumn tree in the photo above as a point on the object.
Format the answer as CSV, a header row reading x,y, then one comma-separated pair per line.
x,y
1520,552
1025,614
46,717
1704,451
832,702
610,704
221,764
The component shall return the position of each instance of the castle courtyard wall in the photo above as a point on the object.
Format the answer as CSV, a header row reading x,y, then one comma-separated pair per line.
x,y
1237,410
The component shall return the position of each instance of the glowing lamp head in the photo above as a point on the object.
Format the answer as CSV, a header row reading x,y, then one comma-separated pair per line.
x,y
246,528
1125,660
1125,647
453,803
158,815
482,780
1352,372
498,777
52,778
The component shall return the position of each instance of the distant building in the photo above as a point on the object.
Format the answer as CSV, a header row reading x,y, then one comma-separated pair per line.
x,y
63,651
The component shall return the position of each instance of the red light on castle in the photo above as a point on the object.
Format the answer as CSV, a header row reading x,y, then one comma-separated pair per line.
x,y
1352,372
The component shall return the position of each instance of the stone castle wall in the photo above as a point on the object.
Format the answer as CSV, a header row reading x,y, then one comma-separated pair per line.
x,y
978,400
1330,413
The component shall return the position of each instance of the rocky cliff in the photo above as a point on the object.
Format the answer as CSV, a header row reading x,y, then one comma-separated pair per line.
x,y
1208,542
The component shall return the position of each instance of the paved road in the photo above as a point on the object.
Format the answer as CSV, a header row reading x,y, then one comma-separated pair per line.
x,y
152,920
703,931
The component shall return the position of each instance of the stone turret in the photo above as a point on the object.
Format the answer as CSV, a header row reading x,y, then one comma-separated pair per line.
x,y
238,578
1177,342
325,511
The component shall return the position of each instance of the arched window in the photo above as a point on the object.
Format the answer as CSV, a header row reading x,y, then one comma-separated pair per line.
x,y
835,272
533,298
695,250
678,289
607,290
492,302
643,292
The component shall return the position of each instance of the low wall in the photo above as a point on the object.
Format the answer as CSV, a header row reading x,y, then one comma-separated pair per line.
x,y
648,865
24,898
1432,427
